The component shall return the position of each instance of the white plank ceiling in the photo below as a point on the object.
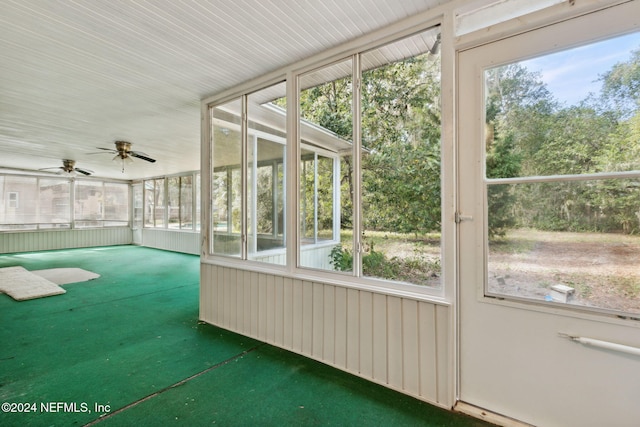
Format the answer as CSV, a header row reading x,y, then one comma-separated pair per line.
x,y
80,74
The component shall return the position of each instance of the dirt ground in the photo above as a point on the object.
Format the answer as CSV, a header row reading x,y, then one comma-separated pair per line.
x,y
604,269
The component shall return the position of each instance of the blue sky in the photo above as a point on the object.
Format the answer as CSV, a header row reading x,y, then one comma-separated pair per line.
x,y
570,75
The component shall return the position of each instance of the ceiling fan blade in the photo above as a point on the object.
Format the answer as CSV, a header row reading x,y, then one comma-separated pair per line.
x,y
105,149
142,156
84,171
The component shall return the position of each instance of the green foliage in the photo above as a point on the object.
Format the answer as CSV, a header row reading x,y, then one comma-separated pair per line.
x,y
621,85
401,132
401,136
530,134
341,259
376,264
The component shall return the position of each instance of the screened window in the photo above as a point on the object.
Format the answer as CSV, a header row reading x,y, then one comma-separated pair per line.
x,y
326,196
89,203
101,204
378,214
563,177
31,202
186,202
154,203
249,177
368,197
138,206
226,184
22,215
116,204
180,202
400,168
54,203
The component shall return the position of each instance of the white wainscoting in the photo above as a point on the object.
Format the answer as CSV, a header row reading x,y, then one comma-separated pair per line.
x,y
171,240
42,240
399,342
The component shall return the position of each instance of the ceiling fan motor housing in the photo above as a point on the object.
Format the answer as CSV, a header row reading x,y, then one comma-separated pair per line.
x,y
68,165
123,146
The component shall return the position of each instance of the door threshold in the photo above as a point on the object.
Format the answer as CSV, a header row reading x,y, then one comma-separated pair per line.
x,y
488,416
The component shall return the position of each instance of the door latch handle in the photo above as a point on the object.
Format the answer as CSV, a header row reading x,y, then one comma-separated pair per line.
x,y
458,218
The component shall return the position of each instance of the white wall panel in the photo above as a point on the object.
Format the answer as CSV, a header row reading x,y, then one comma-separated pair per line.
x,y
29,241
399,342
341,328
353,331
380,342
394,349
427,349
329,323
410,342
366,334
287,315
171,240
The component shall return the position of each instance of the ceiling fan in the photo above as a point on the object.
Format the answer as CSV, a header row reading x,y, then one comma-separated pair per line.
x,y
123,151
69,166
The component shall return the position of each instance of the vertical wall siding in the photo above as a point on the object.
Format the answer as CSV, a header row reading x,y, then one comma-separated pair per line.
x,y
398,342
170,240
28,241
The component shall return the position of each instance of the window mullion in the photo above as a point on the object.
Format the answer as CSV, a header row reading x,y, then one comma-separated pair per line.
x,y
254,195
274,199
165,202
229,200
243,178
357,167
315,197
72,203
179,203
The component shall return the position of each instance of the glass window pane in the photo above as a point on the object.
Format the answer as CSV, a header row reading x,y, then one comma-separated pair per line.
x,y
563,113
326,203
20,208
158,203
307,196
116,204
401,175
149,186
138,206
186,202
266,110
154,202
558,230
226,185
89,204
173,202
55,201
574,242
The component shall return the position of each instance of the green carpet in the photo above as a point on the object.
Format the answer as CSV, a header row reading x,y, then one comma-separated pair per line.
x,y
131,341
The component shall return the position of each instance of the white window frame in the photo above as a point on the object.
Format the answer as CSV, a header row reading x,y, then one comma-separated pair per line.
x,y
443,293
13,201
